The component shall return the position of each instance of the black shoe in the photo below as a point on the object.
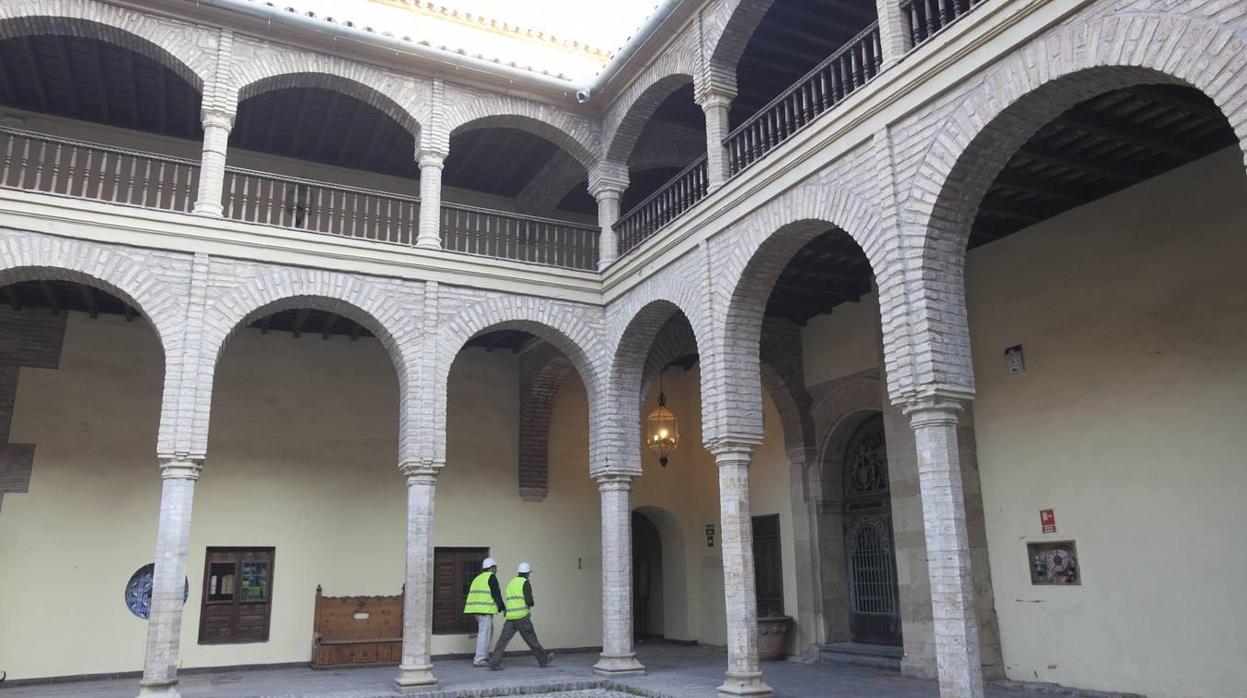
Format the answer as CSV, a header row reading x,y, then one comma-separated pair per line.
x,y
495,668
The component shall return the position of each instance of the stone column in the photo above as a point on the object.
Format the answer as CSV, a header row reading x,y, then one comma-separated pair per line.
x,y
715,102
957,653
617,658
415,672
164,624
744,676
430,235
607,182
894,37
217,125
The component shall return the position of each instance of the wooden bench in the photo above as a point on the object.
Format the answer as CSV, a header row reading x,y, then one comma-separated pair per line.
x,y
357,630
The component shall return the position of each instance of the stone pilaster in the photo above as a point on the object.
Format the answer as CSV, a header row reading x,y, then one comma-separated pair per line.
x,y
954,619
217,125
617,658
431,163
744,674
164,624
894,37
715,101
415,672
607,182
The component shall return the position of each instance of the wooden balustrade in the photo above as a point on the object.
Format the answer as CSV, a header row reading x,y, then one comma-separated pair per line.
x,y
489,233
320,207
928,17
850,67
36,162
666,204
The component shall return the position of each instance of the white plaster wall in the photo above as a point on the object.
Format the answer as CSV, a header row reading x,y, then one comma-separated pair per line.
x,y
688,490
302,457
843,342
1128,422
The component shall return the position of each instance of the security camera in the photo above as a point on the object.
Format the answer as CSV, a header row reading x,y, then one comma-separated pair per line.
x,y
583,96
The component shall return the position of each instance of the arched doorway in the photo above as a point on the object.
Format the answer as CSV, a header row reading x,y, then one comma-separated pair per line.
x,y
869,548
647,591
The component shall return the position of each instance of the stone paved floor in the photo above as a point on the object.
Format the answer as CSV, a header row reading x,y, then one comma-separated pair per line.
x,y
676,671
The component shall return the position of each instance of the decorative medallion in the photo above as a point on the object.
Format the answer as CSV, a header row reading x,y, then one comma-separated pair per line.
x,y
139,591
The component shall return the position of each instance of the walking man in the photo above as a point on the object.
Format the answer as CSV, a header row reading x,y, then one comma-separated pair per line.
x,y
484,600
519,599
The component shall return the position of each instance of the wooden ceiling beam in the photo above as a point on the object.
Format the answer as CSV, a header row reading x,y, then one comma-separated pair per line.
x,y
49,296
129,312
88,299
326,327
1040,188
1096,125
36,74
101,82
1010,214
133,76
356,329
1185,100
1049,157
11,297
266,322
353,124
323,138
300,319
62,53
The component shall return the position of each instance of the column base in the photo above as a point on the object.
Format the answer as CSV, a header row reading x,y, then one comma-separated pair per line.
x,y
604,263
428,243
411,679
744,684
618,665
164,689
209,210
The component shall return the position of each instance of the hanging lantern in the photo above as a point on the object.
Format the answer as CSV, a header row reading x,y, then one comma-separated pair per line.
x,y
662,429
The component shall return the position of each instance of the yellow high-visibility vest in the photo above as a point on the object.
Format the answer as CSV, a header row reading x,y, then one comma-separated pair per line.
x,y
517,605
480,600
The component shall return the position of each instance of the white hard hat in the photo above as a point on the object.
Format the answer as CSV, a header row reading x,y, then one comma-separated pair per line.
x,y
489,562
525,568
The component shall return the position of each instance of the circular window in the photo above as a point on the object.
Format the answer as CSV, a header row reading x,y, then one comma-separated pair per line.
x,y
139,591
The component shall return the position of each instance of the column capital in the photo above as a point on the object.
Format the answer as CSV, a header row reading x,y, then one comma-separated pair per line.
x,y
732,452
615,480
420,472
714,94
220,118
431,158
179,468
933,411
606,178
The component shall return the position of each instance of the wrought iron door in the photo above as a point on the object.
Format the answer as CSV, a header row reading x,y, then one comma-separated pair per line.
x,y
869,549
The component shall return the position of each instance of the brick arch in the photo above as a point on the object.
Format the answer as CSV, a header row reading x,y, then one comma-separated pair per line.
x,y
361,300
30,258
581,138
636,114
1001,110
543,368
562,325
749,263
727,32
263,69
336,83
172,44
837,410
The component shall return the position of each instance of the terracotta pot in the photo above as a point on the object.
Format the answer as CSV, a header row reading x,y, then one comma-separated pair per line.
x,y
773,636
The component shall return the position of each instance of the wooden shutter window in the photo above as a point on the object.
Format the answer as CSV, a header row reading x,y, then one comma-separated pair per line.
x,y
453,572
237,596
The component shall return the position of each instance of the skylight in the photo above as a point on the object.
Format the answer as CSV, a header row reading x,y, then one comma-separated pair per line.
x,y
572,39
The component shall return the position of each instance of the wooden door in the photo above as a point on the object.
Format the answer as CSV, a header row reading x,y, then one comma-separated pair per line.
x,y
768,567
237,595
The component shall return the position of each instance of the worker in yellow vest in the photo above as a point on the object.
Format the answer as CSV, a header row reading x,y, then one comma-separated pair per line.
x,y
519,602
484,601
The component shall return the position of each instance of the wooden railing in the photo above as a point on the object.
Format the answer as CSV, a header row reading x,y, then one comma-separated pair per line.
x,y
850,67
320,207
36,162
489,233
671,200
928,17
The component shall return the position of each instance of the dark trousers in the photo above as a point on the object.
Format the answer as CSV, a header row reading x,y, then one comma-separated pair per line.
x,y
524,627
